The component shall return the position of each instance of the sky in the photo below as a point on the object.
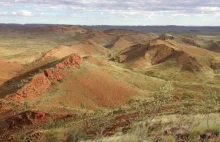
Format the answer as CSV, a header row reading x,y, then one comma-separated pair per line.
x,y
112,12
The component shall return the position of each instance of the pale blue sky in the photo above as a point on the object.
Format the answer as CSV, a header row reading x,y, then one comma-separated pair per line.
x,y
112,12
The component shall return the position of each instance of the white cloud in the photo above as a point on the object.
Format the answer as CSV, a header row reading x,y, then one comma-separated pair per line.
x,y
3,13
77,8
125,9
209,9
174,15
26,13
19,13
14,13
127,13
217,14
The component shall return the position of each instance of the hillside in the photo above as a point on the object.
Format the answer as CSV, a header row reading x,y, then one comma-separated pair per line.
x,y
83,84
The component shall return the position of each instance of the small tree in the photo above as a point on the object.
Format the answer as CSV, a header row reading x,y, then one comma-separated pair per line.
x,y
164,95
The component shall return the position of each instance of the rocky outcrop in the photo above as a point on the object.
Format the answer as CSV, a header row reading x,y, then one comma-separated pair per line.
x,y
133,52
166,37
38,84
26,118
72,60
190,42
45,79
35,117
160,53
188,62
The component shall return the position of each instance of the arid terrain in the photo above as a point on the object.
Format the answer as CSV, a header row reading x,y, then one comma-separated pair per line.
x,y
63,83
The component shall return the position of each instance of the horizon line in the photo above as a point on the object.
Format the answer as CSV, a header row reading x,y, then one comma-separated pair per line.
x,y
110,25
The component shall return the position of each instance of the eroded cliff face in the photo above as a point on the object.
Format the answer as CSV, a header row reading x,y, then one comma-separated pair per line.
x,y
159,52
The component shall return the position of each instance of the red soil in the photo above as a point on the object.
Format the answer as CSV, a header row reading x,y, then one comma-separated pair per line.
x,y
100,37
188,62
42,81
122,43
87,47
26,118
133,52
93,88
34,118
29,119
73,60
120,122
126,116
110,93
8,70
111,130
35,88
161,53
48,54
5,108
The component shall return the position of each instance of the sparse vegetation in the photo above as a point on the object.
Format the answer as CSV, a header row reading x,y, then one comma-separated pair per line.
x,y
135,90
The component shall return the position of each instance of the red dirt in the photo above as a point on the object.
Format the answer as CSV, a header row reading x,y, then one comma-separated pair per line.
x,y
161,53
42,81
188,58
111,130
85,89
126,116
35,88
49,53
174,130
133,52
122,121
122,43
188,62
158,52
8,70
73,60
84,48
5,108
100,37
89,47
54,74
112,92
31,119
26,118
